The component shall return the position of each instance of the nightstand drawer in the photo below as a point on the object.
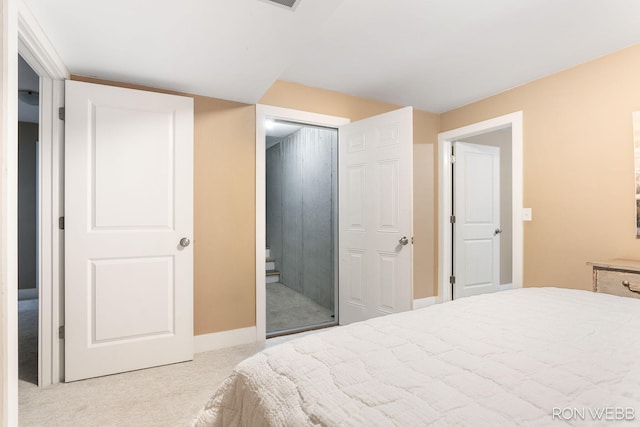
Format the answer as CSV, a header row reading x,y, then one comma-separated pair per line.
x,y
621,283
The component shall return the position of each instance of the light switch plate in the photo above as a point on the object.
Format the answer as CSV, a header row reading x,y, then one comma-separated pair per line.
x,y
526,214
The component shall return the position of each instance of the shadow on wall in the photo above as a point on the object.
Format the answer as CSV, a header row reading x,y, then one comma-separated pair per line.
x,y
27,210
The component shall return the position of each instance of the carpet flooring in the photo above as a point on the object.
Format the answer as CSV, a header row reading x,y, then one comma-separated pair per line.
x,y
165,396
288,309
28,340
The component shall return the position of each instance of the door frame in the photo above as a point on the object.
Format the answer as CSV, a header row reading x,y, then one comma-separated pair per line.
x,y
39,53
262,113
21,34
445,188
8,214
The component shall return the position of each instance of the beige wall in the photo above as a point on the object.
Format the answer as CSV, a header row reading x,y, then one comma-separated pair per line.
x,y
426,125
224,212
578,165
425,216
224,216
425,245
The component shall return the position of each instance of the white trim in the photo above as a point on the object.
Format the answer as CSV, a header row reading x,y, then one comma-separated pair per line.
x,y
9,213
44,233
50,237
424,302
47,233
262,112
505,287
445,139
35,47
57,237
39,53
224,339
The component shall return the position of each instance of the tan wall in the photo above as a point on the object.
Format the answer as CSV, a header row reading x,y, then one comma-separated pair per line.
x,y
425,217
426,125
224,212
578,165
224,207
425,245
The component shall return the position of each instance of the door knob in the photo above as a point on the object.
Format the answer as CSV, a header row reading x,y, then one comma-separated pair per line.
x,y
497,231
184,242
404,241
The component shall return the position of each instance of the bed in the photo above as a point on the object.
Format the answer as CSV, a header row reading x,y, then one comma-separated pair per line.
x,y
531,356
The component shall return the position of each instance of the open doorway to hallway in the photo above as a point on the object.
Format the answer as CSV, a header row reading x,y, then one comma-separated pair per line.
x,y
479,133
28,289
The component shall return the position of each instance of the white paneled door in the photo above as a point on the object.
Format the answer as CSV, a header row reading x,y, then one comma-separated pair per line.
x,y
128,226
476,262
375,204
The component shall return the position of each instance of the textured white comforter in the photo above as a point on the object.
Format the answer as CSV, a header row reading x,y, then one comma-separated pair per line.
x,y
504,359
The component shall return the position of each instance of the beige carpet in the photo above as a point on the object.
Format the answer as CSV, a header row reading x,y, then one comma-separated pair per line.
x,y
288,309
165,396
28,340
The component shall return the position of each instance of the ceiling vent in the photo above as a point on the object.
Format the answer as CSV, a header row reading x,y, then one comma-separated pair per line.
x,y
289,4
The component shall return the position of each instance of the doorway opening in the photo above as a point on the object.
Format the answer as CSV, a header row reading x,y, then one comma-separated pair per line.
x,y
305,118
28,283
301,172
509,211
24,37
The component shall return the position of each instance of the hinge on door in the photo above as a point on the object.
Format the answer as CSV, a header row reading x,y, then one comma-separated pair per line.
x,y
412,239
61,113
61,332
452,219
453,158
452,280
61,223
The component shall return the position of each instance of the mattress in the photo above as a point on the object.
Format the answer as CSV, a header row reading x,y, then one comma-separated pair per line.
x,y
532,356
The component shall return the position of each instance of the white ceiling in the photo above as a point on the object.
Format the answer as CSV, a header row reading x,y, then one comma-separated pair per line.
x,y
432,54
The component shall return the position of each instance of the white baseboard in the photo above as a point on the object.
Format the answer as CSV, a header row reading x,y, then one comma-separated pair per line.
x,y
217,340
424,302
506,286
31,293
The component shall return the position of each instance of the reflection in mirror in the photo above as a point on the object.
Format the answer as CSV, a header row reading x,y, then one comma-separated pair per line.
x,y
636,152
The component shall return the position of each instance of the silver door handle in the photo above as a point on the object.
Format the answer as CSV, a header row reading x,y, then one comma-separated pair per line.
x,y
404,241
497,231
184,242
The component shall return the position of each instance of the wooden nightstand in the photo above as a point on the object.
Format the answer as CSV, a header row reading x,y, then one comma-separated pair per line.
x,y
617,277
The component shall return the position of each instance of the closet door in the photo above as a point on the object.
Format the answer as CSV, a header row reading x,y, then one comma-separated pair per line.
x,y
477,226
128,226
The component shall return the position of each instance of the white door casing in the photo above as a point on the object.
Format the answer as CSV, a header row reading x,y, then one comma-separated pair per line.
x,y
476,204
445,187
128,203
36,49
375,213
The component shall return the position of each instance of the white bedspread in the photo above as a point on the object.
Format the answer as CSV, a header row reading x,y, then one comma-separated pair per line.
x,y
502,359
